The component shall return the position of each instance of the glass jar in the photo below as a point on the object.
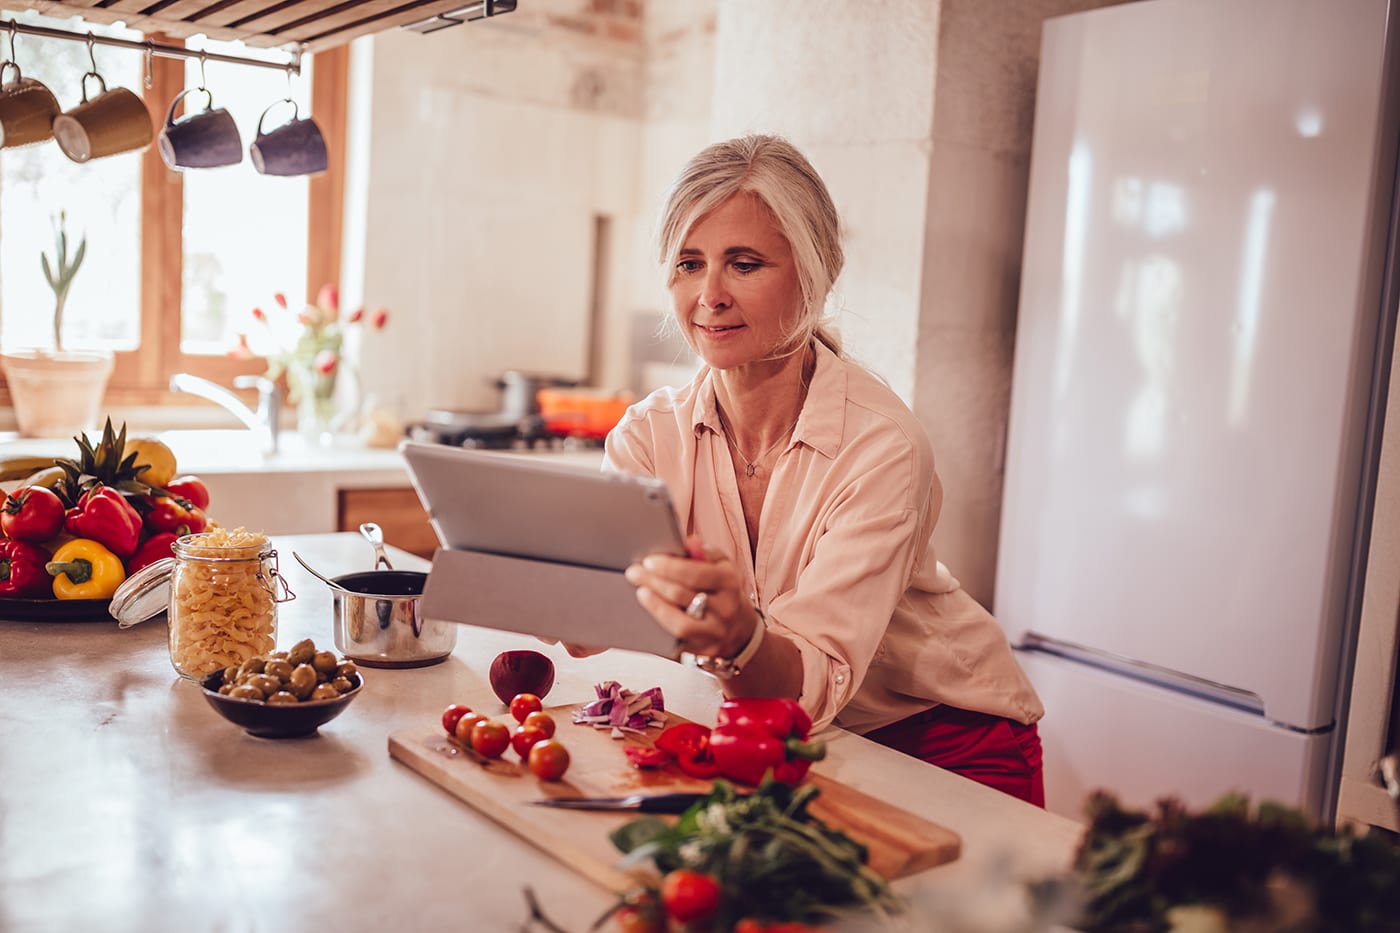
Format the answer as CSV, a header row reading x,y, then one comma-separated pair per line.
x,y
223,601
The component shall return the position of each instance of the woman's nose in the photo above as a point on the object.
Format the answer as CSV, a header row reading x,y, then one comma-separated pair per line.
x,y
713,294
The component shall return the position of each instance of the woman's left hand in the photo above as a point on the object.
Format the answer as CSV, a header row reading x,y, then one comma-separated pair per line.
x,y
667,586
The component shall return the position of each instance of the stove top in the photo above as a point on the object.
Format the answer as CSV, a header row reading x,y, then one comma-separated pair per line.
x,y
526,437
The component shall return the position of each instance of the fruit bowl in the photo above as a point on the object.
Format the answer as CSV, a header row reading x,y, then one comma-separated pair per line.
x,y
277,721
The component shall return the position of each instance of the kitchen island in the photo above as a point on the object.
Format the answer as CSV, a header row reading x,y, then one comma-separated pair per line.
x,y
127,803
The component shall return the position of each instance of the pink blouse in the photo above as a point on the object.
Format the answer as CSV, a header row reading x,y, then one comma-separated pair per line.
x,y
844,567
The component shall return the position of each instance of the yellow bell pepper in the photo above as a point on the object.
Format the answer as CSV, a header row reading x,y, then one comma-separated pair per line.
x,y
84,569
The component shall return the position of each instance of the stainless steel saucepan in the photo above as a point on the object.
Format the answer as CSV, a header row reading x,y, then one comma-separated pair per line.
x,y
378,620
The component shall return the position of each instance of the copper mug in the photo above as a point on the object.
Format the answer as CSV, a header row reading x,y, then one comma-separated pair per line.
x,y
113,121
27,110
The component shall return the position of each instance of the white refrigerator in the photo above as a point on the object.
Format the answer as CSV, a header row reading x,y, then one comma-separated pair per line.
x,y
1200,360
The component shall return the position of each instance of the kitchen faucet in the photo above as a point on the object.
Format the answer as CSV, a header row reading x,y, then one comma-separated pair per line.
x,y
265,422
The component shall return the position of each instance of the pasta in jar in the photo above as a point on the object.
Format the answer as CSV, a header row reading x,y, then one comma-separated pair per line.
x,y
223,605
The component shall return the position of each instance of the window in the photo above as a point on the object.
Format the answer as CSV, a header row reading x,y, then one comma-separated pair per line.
x,y
175,261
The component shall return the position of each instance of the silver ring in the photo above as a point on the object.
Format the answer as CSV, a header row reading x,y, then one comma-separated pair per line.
x,y
698,605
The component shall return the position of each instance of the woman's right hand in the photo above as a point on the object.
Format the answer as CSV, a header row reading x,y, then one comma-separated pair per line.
x,y
667,586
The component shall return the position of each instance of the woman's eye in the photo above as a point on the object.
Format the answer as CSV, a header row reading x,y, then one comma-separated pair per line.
x,y
687,265
745,267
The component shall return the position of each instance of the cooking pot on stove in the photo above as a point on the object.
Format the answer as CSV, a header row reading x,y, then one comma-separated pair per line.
x,y
520,391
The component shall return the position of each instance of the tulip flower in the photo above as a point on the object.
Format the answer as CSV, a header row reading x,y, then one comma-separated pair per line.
x,y
328,300
379,319
356,315
281,300
325,362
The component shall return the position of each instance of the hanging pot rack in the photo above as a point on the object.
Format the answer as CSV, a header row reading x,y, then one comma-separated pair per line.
x,y
291,27
292,65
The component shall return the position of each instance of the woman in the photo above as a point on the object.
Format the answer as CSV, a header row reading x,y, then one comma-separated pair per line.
x,y
807,491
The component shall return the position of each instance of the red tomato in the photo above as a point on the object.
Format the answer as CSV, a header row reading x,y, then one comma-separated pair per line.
x,y
450,716
549,759
639,919
524,738
191,488
541,721
490,738
690,896
523,705
463,729
750,925
32,513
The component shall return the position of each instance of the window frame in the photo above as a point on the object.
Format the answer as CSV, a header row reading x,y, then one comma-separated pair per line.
x,y
142,376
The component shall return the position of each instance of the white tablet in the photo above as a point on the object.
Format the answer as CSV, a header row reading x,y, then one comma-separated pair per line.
x,y
516,506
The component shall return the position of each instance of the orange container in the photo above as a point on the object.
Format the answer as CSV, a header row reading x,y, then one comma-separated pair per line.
x,y
588,413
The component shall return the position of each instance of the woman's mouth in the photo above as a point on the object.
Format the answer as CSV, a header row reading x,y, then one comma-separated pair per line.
x,y
717,330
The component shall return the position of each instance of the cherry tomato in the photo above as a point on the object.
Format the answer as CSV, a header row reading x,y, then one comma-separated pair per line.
x,y
450,716
690,896
541,721
639,919
524,738
490,738
463,729
31,513
523,705
191,488
549,759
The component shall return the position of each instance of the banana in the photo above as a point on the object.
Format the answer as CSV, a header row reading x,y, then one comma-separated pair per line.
x,y
49,476
13,468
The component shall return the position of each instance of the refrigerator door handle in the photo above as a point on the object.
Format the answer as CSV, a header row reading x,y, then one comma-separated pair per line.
x,y
1141,670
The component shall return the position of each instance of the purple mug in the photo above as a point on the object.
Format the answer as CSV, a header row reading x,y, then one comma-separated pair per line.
x,y
294,148
202,140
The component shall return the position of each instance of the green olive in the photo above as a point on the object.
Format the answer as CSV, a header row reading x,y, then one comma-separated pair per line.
x,y
282,698
303,680
251,666
245,692
278,668
324,692
346,669
302,652
343,684
324,662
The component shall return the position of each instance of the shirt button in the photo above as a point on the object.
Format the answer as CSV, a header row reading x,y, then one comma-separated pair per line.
x,y
840,679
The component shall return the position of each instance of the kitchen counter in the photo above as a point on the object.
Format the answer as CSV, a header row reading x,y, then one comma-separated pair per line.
x,y
126,803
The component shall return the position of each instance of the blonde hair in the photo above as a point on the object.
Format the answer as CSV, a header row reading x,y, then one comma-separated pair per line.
x,y
780,176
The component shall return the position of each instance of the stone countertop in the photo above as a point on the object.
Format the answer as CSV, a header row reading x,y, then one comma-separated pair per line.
x,y
127,803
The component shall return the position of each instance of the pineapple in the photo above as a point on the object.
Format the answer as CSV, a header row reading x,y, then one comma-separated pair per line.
x,y
107,464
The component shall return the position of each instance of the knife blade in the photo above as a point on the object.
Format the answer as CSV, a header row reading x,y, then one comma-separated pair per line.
x,y
641,803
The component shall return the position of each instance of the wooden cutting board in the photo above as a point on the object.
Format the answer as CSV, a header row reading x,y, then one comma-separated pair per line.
x,y
899,842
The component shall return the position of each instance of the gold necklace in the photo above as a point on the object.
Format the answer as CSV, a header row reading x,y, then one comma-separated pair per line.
x,y
751,465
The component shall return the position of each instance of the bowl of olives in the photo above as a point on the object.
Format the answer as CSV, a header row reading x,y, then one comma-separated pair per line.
x,y
285,694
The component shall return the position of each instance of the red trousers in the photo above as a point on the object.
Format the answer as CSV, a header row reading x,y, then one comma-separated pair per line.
x,y
997,752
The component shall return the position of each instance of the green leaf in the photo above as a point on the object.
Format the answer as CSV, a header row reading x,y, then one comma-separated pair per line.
x,y
638,832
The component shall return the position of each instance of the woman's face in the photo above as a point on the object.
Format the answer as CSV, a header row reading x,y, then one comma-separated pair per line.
x,y
734,290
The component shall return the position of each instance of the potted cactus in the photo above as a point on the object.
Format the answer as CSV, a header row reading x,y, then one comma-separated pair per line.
x,y
57,392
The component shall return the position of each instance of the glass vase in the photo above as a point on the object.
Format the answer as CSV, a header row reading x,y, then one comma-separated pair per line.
x,y
316,419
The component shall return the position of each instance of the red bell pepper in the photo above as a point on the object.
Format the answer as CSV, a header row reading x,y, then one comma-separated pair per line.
x,y
755,735
154,548
169,513
23,570
689,744
103,515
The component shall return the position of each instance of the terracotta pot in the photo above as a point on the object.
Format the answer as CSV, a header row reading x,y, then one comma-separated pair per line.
x,y
56,394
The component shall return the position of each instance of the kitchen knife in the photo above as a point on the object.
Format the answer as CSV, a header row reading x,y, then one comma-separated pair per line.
x,y
642,803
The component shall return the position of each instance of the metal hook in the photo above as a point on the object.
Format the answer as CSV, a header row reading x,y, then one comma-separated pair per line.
x,y
290,69
91,42
203,81
150,55
13,29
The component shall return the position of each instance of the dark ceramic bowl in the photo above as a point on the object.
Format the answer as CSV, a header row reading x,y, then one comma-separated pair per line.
x,y
274,720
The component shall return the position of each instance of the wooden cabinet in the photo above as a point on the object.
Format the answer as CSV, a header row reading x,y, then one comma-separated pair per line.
x,y
397,511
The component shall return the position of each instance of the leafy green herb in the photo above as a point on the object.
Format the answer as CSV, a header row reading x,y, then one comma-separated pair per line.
x,y
1266,868
771,857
